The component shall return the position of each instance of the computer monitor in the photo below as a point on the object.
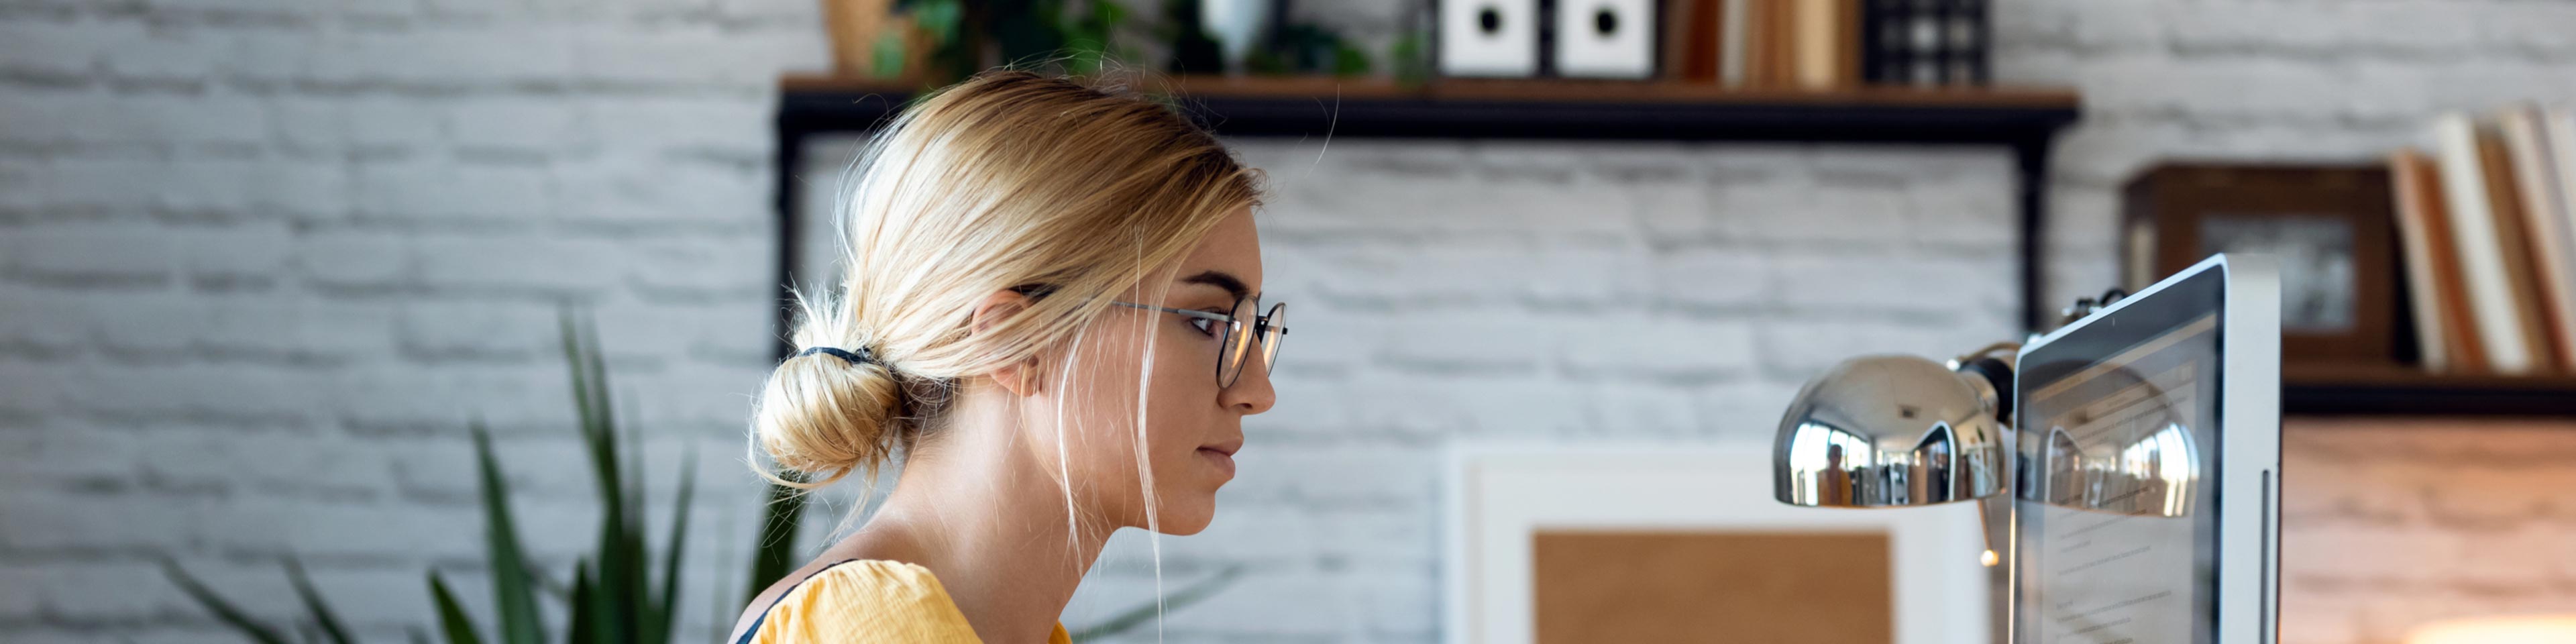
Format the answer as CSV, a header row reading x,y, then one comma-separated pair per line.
x,y
2147,457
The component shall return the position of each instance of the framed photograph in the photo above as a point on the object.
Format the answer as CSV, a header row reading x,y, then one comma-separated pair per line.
x,y
1660,542
2332,228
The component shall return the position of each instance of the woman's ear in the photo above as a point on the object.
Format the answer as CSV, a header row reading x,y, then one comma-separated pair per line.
x,y
1020,378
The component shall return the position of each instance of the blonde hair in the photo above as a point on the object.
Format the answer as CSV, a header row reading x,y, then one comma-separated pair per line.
x,y
1008,180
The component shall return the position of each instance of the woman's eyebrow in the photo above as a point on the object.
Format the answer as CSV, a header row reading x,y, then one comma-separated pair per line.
x,y
1220,279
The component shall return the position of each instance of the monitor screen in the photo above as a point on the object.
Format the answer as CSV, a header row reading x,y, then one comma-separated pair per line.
x,y
2116,456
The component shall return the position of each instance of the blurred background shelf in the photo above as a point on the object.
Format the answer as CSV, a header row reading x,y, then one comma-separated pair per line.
x,y
2366,390
2023,120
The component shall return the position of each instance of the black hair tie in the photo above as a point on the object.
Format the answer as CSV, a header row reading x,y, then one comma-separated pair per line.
x,y
863,355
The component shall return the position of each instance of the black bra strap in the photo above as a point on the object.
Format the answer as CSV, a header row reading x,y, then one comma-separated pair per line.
x,y
754,629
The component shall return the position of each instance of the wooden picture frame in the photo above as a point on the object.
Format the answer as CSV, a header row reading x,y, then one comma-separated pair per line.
x,y
2333,228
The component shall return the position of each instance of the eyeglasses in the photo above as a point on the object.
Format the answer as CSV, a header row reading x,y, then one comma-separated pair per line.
x,y
1267,329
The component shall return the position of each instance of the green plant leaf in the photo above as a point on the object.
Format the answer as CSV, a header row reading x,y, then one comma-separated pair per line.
x,y
774,547
223,610
1138,616
618,593
583,627
613,597
635,600
1349,60
887,53
1409,55
332,628
451,615
548,583
512,593
666,606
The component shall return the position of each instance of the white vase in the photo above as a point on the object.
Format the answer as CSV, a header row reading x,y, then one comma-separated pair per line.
x,y
1234,24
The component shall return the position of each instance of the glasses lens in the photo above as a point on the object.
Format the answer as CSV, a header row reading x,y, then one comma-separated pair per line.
x,y
1274,329
1238,337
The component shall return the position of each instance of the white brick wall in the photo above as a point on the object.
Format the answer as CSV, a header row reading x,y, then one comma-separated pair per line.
x,y
261,261
2391,523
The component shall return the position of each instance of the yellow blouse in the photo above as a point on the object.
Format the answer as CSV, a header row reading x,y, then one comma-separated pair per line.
x,y
868,600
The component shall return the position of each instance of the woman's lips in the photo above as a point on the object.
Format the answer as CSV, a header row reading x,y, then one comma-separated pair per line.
x,y
1222,461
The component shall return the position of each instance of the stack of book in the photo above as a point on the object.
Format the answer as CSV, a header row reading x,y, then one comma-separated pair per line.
x,y
2487,221
1825,44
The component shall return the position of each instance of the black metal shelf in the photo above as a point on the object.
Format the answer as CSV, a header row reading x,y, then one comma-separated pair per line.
x,y
2390,392
1494,109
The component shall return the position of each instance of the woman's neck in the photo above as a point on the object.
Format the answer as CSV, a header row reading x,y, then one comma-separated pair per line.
x,y
982,512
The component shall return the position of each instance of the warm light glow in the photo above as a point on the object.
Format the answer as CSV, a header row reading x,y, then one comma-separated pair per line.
x,y
1988,558
2521,629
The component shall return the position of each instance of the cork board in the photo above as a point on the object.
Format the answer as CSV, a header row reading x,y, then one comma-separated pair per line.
x,y
1694,586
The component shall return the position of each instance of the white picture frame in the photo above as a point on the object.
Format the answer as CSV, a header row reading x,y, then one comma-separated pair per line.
x,y
1496,496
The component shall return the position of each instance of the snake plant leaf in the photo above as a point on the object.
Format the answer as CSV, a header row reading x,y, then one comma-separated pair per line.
x,y
619,589
512,592
330,625
223,609
665,608
452,621
583,628
613,596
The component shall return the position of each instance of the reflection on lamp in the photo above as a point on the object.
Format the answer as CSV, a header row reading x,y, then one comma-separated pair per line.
x,y
2521,629
1895,431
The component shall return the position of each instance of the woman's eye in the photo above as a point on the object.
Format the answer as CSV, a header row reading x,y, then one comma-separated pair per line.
x,y
1204,325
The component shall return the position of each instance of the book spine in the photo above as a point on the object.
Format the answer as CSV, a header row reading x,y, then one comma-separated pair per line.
x,y
1779,41
2481,251
1812,32
2513,235
2545,219
2558,132
2408,172
1734,26
1672,41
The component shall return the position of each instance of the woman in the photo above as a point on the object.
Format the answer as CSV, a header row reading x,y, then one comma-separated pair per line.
x,y
1041,280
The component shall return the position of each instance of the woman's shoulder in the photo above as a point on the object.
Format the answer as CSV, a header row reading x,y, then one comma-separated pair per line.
x,y
886,600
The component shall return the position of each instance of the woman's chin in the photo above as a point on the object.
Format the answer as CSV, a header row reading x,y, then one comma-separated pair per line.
x,y
1185,518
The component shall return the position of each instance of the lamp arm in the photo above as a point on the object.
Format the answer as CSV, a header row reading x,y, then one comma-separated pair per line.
x,y
1989,370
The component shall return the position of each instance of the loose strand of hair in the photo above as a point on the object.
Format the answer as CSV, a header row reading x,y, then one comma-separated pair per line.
x,y
1063,453
1144,465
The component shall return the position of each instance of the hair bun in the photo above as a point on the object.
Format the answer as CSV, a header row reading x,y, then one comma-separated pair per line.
x,y
827,412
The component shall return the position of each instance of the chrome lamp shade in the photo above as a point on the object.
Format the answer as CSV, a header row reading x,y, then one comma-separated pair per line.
x,y
1896,431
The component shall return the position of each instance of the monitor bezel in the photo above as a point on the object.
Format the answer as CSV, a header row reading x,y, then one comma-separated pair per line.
x,y
2248,557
